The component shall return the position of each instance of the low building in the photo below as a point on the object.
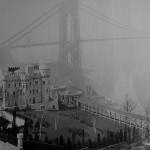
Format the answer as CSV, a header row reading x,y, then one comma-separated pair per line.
x,y
68,98
55,89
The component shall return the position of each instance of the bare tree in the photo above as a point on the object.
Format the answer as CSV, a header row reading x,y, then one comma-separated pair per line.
x,y
147,113
129,105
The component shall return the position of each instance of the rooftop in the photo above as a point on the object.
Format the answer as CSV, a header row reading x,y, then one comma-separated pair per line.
x,y
71,92
58,87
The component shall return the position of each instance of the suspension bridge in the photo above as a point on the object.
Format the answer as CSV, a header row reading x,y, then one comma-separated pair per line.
x,y
70,15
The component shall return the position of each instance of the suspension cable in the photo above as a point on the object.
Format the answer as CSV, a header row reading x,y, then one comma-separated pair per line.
x,y
113,21
34,22
33,28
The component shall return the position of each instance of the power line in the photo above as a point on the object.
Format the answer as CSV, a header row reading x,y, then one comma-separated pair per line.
x,y
115,22
35,21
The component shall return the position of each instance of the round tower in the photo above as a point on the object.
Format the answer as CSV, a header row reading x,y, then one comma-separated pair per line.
x,y
44,69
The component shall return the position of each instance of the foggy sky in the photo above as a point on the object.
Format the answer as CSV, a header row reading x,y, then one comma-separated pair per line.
x,y
117,67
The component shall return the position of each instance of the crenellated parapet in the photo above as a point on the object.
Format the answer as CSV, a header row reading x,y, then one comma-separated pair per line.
x,y
13,69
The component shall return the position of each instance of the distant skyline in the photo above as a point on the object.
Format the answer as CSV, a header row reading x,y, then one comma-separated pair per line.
x,y
118,67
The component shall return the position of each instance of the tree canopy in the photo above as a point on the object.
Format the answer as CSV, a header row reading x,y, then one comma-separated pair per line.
x,y
129,105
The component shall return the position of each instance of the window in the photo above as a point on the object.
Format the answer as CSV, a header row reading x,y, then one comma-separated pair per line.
x,y
33,90
30,91
50,99
43,82
36,90
47,90
72,99
33,100
23,86
7,93
14,94
8,85
79,104
63,97
27,86
19,84
76,97
42,107
15,84
36,82
53,106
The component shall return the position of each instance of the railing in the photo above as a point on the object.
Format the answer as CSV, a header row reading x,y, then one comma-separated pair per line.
x,y
113,118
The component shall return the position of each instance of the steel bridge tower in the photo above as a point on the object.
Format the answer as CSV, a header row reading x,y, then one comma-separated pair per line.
x,y
69,49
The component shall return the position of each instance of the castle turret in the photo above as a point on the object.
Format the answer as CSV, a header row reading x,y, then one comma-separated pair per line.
x,y
44,69
29,70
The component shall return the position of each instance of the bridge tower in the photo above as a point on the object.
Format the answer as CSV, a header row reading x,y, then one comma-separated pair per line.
x,y
69,34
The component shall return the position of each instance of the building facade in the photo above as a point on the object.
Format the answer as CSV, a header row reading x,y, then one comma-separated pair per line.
x,y
25,87
68,98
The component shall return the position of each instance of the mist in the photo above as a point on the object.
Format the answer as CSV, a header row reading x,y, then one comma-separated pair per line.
x,y
117,68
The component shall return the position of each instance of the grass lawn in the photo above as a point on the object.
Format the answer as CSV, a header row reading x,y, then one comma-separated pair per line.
x,y
66,120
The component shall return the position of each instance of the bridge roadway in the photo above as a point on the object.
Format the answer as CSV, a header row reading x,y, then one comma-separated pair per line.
x,y
120,116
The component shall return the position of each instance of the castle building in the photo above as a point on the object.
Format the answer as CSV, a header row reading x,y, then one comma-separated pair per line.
x,y
25,87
